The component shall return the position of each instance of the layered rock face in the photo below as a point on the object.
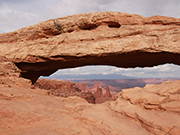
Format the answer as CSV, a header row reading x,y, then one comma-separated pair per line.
x,y
152,110
99,94
108,93
10,74
83,86
97,85
67,88
109,38
63,89
155,107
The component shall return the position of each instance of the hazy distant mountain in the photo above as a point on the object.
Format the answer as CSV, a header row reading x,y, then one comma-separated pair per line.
x,y
119,84
90,76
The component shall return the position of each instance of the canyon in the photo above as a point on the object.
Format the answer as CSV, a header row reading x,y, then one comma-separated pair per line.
x,y
64,89
94,91
108,38
116,85
153,109
61,88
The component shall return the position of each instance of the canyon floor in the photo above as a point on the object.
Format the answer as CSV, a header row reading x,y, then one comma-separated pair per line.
x,y
154,109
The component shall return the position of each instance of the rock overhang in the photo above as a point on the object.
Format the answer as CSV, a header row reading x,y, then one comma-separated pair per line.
x,y
109,38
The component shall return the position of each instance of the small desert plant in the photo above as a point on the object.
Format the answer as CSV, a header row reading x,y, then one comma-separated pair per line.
x,y
58,26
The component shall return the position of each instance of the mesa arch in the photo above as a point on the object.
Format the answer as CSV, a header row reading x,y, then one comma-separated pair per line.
x,y
109,38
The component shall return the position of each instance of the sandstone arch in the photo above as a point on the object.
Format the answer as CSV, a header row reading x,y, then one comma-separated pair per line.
x,y
109,38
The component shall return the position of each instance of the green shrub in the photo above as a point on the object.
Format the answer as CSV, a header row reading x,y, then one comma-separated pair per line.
x,y
58,26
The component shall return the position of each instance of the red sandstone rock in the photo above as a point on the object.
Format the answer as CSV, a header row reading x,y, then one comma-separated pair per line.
x,y
10,74
101,97
108,93
118,84
83,87
152,110
156,107
94,88
63,89
98,93
109,38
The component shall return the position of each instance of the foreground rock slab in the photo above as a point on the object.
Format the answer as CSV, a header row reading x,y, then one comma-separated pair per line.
x,y
152,110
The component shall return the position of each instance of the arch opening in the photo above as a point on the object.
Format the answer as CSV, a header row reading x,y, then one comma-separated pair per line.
x,y
111,72
47,66
104,82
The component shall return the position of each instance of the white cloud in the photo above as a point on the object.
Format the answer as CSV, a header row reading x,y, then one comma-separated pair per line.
x,y
167,70
20,13
13,19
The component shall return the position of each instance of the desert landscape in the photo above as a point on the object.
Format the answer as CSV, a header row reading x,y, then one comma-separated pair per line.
x,y
29,105
94,91
116,85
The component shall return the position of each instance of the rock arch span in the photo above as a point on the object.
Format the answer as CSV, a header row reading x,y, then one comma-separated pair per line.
x,y
135,59
109,38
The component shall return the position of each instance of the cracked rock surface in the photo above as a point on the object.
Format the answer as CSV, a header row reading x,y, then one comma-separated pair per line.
x,y
152,110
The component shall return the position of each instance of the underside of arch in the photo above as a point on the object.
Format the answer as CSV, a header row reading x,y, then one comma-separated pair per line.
x,y
134,59
109,38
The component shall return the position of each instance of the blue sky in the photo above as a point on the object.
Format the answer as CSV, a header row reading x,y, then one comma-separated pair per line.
x,y
15,14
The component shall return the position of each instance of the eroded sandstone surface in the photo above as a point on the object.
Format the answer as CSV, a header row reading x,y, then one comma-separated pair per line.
x,y
152,110
100,94
109,38
64,89
67,88
10,74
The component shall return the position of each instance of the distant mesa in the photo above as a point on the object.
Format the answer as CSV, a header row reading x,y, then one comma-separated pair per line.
x,y
83,87
116,85
65,89
96,85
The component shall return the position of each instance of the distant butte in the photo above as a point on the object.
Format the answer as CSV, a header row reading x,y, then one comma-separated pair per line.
x,y
109,38
99,94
